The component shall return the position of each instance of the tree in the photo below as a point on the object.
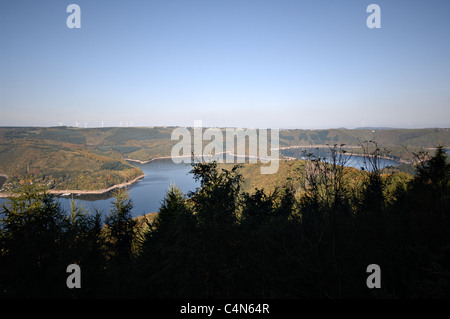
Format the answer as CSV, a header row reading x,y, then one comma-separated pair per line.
x,y
215,204
118,237
83,246
167,266
32,229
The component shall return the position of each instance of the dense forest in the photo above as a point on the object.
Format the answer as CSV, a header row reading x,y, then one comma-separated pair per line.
x,y
220,242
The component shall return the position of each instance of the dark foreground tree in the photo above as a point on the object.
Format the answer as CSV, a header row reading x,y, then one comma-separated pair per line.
x,y
119,234
167,266
38,240
32,235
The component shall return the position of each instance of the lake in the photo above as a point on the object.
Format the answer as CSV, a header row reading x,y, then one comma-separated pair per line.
x,y
148,193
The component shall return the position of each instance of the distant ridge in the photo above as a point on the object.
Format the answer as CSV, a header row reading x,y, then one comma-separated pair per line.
x,y
377,128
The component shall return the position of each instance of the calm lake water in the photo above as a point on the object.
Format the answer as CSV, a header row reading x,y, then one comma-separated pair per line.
x,y
148,193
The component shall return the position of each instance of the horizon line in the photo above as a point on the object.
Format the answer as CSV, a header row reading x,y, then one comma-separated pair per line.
x,y
380,128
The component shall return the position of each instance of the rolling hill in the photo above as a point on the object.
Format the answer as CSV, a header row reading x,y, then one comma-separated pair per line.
x,y
90,159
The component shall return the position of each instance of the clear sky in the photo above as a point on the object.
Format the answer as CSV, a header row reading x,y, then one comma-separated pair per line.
x,y
251,63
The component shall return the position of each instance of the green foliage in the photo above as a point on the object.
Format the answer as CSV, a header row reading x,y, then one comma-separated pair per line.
x,y
61,169
114,166
167,266
220,242
118,237
122,135
215,201
64,158
38,241
61,135
126,149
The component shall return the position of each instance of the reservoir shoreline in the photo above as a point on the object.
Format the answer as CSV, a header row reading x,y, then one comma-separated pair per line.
x,y
82,192
121,185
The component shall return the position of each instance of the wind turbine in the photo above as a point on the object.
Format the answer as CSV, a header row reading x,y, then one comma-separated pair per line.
x,y
76,124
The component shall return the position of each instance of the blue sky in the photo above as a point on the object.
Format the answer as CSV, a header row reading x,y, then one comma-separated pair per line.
x,y
251,63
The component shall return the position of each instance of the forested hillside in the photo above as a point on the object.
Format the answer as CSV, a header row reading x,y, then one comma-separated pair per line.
x,y
62,168
90,159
